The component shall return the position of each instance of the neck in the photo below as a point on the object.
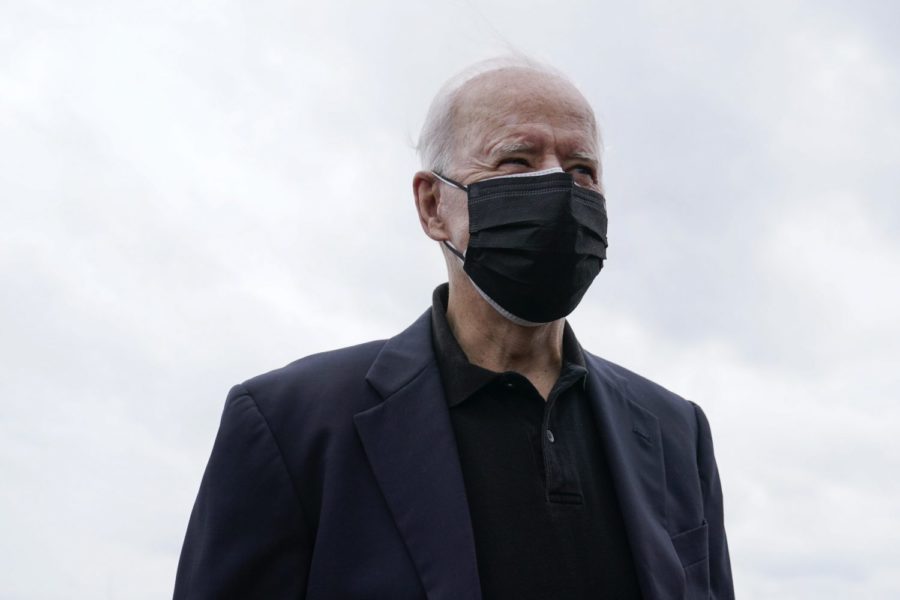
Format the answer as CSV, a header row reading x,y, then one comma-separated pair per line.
x,y
493,342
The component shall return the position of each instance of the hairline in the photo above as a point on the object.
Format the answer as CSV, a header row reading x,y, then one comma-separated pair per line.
x,y
440,136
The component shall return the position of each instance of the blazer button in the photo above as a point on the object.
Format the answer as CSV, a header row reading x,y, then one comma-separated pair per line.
x,y
550,437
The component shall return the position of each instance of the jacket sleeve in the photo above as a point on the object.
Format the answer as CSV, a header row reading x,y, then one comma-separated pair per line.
x,y
247,537
720,582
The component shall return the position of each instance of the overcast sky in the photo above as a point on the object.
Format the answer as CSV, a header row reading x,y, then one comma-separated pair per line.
x,y
194,192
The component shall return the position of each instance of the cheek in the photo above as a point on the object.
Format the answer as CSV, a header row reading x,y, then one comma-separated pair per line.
x,y
456,217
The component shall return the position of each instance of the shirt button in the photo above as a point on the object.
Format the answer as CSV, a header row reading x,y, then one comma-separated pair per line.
x,y
510,384
550,437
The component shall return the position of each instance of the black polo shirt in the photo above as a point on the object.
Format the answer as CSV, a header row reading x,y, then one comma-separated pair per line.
x,y
545,516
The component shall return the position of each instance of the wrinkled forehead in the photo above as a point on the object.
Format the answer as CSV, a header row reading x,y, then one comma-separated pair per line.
x,y
507,98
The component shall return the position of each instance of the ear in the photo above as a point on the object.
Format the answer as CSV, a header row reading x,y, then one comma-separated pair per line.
x,y
427,193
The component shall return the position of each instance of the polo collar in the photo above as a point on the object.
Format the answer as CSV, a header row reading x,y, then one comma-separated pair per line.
x,y
461,378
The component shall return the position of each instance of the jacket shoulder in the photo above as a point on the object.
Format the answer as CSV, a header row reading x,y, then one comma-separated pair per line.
x,y
335,379
670,408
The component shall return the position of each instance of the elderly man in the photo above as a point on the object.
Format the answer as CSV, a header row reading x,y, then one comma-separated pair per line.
x,y
481,453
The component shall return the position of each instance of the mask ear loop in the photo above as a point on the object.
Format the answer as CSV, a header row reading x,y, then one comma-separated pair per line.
x,y
449,181
457,253
465,188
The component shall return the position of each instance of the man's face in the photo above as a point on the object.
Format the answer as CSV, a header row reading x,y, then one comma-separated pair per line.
x,y
516,121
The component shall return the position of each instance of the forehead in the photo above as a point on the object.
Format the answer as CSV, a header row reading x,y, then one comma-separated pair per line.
x,y
516,108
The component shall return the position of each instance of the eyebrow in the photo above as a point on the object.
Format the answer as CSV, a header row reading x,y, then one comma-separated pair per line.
x,y
521,146
513,148
584,156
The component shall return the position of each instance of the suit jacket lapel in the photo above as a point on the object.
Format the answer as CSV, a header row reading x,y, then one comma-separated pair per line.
x,y
411,448
633,444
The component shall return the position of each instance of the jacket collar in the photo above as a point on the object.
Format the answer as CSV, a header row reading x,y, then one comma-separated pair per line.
x,y
633,443
411,447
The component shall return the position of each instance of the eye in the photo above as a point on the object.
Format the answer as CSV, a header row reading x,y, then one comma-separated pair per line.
x,y
584,175
583,170
513,160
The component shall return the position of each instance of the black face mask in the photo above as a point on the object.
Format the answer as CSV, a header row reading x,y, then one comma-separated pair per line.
x,y
536,242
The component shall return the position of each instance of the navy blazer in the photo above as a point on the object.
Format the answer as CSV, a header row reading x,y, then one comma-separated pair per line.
x,y
337,477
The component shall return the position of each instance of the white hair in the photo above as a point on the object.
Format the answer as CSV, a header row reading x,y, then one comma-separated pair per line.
x,y
438,138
